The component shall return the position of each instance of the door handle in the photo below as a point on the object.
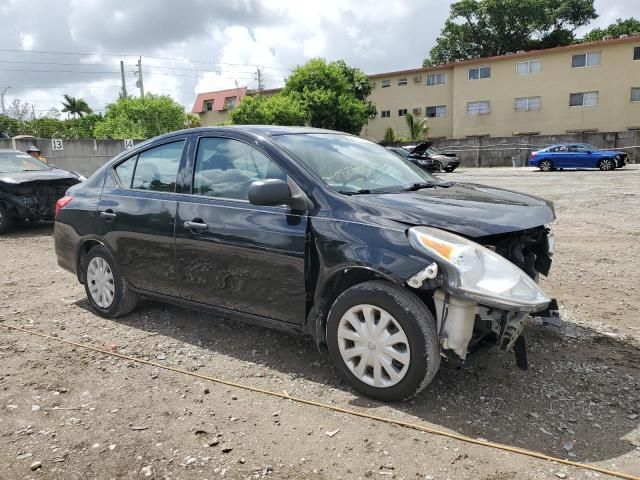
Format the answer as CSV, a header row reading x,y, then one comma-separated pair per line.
x,y
108,215
196,226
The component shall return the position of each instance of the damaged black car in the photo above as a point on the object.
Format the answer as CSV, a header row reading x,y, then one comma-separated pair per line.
x,y
315,232
29,188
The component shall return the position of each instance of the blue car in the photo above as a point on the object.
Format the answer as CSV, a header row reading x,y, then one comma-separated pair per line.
x,y
576,155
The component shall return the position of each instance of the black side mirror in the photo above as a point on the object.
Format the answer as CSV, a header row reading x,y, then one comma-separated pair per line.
x,y
274,191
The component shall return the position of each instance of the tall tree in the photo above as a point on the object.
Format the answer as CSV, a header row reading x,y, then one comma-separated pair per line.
x,y
19,110
274,110
75,106
620,27
484,28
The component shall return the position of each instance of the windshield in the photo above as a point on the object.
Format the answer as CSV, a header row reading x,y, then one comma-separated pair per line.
x,y
433,151
353,165
11,162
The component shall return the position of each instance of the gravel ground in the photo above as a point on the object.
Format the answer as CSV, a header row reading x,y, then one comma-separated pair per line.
x,y
69,413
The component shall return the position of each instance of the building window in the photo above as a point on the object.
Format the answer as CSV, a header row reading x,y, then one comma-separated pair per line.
x,y
636,53
402,112
583,99
385,83
385,113
436,79
437,111
208,105
479,73
478,108
526,104
590,59
529,68
230,103
402,81
635,94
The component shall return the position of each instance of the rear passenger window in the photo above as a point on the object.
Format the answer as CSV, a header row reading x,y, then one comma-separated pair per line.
x,y
125,171
157,168
226,168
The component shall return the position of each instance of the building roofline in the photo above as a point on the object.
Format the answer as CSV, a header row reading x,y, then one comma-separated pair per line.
x,y
528,53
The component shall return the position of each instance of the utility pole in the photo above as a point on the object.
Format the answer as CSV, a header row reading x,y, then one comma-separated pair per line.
x,y
260,79
123,93
2,99
140,83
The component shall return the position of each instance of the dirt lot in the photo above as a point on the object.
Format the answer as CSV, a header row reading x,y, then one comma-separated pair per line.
x,y
81,414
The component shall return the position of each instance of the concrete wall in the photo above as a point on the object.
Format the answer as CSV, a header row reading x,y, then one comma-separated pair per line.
x,y
83,156
497,151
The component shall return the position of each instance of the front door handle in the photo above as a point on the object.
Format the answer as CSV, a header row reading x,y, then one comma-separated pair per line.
x,y
108,215
196,226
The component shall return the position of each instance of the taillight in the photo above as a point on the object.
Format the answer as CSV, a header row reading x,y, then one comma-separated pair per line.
x,y
63,202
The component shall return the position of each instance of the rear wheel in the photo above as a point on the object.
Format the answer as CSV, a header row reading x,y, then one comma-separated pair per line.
x,y
106,288
607,164
546,165
437,166
7,220
382,341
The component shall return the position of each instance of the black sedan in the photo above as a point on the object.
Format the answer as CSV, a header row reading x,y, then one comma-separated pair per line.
x,y
29,188
315,232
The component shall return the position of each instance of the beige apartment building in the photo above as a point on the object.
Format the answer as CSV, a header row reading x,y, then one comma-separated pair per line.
x,y
577,88
592,87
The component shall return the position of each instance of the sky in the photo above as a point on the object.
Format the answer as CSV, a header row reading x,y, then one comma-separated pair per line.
x,y
53,47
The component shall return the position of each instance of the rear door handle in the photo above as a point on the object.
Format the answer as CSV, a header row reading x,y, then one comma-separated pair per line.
x,y
108,215
196,226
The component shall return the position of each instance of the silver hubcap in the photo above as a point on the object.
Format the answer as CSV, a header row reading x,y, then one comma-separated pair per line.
x,y
374,346
607,164
545,166
100,282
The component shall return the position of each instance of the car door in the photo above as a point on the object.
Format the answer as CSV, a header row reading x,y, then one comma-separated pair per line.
x,y
581,156
561,157
137,211
232,254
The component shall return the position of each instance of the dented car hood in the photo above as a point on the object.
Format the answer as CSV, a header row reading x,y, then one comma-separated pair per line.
x,y
15,178
467,209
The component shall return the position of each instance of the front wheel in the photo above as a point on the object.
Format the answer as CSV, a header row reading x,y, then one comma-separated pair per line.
x,y
607,164
106,288
382,341
437,167
546,165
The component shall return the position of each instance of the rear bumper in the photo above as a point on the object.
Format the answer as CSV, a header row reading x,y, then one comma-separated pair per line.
x,y
66,242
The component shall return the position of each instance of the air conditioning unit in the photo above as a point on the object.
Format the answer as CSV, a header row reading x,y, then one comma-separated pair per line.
x,y
417,110
417,79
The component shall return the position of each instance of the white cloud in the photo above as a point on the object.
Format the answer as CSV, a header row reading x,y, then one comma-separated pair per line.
x,y
27,41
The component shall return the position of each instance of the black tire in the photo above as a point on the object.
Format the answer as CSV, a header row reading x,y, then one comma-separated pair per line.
x,y
546,166
437,167
124,299
417,324
607,164
7,220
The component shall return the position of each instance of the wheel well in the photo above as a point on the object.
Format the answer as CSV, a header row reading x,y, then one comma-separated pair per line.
x,y
84,249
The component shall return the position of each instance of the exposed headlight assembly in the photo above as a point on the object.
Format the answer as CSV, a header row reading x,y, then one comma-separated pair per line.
x,y
476,273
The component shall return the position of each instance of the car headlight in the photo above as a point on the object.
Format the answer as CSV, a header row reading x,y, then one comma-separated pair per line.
x,y
475,272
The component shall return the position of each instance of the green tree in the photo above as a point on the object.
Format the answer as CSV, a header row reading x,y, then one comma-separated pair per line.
x,y
274,110
484,28
75,106
620,27
333,94
389,136
136,117
417,128
82,127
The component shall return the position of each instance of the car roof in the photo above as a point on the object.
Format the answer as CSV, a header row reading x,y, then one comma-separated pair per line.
x,y
270,130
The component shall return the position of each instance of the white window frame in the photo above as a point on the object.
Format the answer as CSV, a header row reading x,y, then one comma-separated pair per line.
x,y
479,69
402,82
441,111
635,89
536,99
436,77
478,111
587,55
584,94
528,63
385,83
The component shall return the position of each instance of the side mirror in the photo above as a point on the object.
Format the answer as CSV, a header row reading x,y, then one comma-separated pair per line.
x,y
274,191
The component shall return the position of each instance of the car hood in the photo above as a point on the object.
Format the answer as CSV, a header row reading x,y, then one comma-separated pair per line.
x,y
467,209
15,178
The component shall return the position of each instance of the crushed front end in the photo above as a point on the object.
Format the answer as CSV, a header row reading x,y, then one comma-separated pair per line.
x,y
34,200
478,295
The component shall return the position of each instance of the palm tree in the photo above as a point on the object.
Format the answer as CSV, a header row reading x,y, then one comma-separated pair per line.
x,y
389,136
75,106
417,129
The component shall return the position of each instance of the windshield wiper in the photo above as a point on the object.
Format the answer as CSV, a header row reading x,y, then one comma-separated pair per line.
x,y
419,186
362,191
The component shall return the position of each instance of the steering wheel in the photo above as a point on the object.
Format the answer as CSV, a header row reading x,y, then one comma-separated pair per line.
x,y
354,177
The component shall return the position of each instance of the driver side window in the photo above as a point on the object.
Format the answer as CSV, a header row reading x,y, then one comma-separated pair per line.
x,y
226,168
